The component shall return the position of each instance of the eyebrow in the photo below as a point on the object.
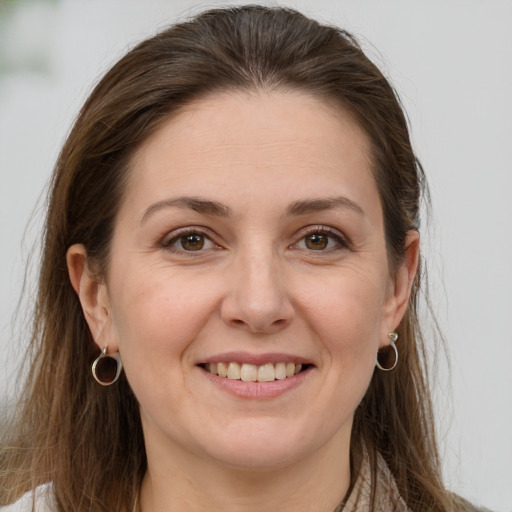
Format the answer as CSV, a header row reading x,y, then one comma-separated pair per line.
x,y
304,207
204,206
193,203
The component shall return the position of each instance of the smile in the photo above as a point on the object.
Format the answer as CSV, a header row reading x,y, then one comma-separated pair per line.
x,y
253,373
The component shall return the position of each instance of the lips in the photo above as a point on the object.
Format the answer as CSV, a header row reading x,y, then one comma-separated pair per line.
x,y
248,372
253,376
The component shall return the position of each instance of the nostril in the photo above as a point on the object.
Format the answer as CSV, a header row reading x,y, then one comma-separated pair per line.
x,y
260,327
265,315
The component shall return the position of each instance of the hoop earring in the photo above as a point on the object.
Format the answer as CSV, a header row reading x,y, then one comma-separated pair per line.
x,y
386,366
107,368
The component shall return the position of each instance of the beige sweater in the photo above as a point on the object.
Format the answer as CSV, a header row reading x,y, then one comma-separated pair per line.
x,y
387,497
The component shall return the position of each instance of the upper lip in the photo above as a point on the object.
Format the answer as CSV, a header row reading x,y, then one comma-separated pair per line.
x,y
256,359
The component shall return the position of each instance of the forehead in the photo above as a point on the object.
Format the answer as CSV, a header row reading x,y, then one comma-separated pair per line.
x,y
285,141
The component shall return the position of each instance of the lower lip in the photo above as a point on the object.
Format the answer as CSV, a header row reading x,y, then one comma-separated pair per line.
x,y
257,390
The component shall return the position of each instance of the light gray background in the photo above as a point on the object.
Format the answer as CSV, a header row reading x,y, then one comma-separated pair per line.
x,y
451,63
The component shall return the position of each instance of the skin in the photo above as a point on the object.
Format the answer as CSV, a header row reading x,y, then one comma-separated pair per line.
x,y
262,283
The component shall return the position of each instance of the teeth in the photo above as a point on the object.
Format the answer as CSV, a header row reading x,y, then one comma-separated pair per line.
x,y
266,373
252,373
222,369
212,368
234,371
281,371
249,373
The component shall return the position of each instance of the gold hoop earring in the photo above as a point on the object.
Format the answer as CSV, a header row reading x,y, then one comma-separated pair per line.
x,y
384,363
106,368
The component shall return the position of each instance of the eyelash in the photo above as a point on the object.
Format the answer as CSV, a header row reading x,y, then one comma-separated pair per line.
x,y
332,235
180,235
340,241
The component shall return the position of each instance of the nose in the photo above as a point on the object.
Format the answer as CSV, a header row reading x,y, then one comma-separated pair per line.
x,y
257,300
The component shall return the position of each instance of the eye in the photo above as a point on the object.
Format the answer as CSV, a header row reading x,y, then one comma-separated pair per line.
x,y
192,242
321,239
189,241
316,241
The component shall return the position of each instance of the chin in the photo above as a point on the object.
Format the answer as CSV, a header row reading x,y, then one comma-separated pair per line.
x,y
258,458
261,448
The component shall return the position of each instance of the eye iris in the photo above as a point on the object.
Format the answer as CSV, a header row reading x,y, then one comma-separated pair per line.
x,y
192,242
316,242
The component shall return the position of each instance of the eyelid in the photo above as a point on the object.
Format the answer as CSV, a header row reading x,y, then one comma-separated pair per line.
x,y
171,237
343,241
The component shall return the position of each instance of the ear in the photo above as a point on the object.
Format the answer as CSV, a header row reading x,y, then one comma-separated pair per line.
x,y
400,286
92,293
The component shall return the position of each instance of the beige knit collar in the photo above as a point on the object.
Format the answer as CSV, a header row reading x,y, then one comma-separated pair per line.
x,y
387,497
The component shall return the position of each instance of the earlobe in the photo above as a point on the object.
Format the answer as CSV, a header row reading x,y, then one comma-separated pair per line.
x,y
403,280
91,292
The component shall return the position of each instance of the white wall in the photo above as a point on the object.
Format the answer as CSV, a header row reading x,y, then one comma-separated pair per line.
x,y
451,62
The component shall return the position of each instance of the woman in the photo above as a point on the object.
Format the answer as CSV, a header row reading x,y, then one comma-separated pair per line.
x,y
235,217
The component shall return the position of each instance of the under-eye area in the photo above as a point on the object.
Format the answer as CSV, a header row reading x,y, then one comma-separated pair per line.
x,y
247,372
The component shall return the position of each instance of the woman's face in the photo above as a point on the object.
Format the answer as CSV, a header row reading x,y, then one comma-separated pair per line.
x,y
250,240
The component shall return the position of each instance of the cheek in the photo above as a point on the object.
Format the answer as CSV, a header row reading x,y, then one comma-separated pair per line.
x,y
157,315
345,313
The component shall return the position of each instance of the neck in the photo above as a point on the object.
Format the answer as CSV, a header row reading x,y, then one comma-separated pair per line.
x,y
187,482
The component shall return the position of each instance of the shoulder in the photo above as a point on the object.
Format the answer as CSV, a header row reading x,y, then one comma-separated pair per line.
x,y
39,500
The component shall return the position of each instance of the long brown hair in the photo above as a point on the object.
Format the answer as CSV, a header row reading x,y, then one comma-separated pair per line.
x,y
87,439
